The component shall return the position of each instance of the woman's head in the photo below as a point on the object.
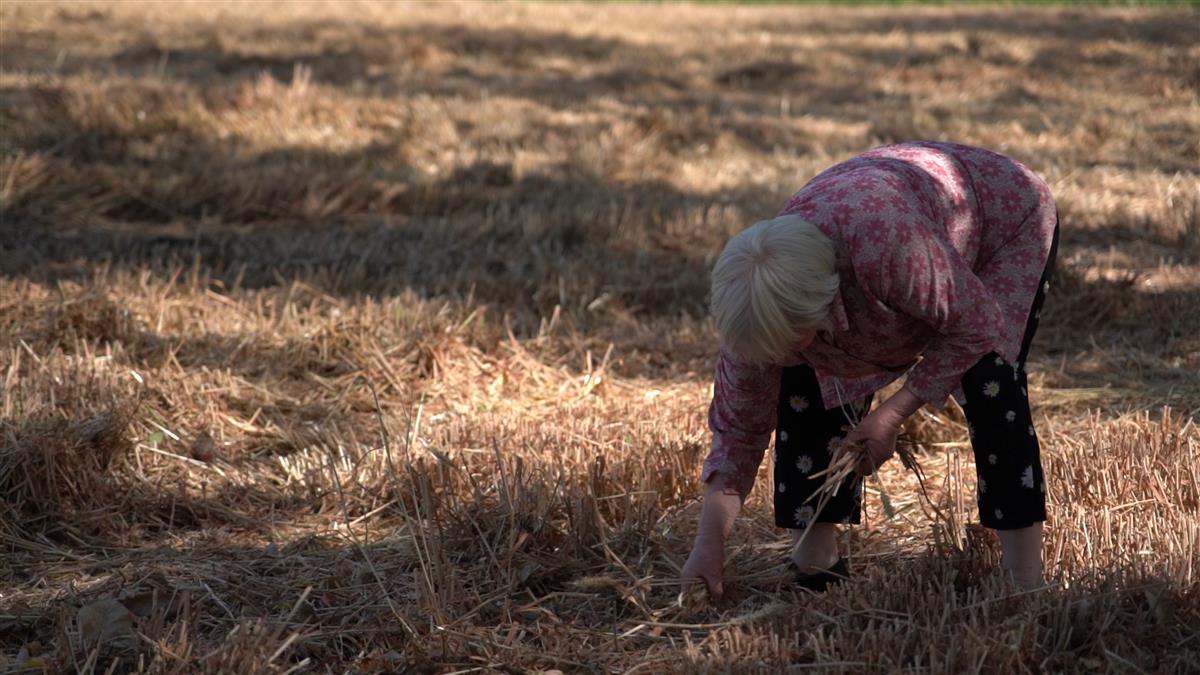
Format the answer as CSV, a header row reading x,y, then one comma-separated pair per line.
x,y
771,288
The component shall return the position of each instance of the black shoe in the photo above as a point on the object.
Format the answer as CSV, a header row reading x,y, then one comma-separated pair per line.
x,y
819,581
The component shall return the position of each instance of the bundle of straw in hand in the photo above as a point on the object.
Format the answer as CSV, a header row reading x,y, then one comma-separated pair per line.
x,y
847,456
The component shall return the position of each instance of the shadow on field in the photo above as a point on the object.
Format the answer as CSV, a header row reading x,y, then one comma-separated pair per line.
x,y
404,61
553,70
365,221
311,585
522,246
751,101
326,600
159,195
99,189
1154,28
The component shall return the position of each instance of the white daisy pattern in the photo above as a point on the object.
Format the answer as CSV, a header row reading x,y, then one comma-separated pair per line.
x,y
1011,416
982,486
798,403
999,360
1027,477
1031,431
783,436
999,514
803,514
804,464
833,444
782,488
992,459
971,430
991,389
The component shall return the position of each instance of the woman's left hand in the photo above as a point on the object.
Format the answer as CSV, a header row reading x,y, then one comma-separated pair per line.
x,y
877,433
878,430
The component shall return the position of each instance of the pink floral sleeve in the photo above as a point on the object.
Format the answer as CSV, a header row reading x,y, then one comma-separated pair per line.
x,y
741,418
906,266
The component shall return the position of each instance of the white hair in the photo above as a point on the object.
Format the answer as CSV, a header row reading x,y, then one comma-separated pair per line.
x,y
773,279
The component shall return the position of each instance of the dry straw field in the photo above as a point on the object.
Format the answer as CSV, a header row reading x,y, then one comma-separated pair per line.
x,y
372,337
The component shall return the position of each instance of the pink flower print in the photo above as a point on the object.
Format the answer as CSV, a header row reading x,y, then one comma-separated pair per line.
x,y
941,265
874,204
1010,201
1021,257
817,187
877,230
1002,286
864,183
806,209
1019,180
984,194
842,213
915,274
900,204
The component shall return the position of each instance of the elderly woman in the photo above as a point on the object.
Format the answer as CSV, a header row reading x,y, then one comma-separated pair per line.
x,y
923,260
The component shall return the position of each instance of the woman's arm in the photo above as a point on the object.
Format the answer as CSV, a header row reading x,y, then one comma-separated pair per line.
x,y
718,514
907,267
918,274
741,418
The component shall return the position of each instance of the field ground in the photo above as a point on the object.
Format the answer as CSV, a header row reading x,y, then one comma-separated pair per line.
x,y
372,337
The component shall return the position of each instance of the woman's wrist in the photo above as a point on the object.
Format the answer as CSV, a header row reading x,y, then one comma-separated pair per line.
x,y
902,405
719,512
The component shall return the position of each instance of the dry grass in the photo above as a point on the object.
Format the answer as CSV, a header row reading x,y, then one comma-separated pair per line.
x,y
415,301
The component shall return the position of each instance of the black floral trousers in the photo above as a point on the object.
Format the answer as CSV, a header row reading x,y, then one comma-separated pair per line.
x,y
1011,486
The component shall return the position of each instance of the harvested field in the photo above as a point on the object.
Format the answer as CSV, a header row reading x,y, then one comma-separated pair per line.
x,y
373,338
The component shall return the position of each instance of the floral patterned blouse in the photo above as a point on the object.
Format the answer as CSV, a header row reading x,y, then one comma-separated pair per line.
x,y
940,248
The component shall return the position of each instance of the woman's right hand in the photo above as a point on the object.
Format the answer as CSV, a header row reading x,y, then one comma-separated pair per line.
x,y
705,564
717,516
